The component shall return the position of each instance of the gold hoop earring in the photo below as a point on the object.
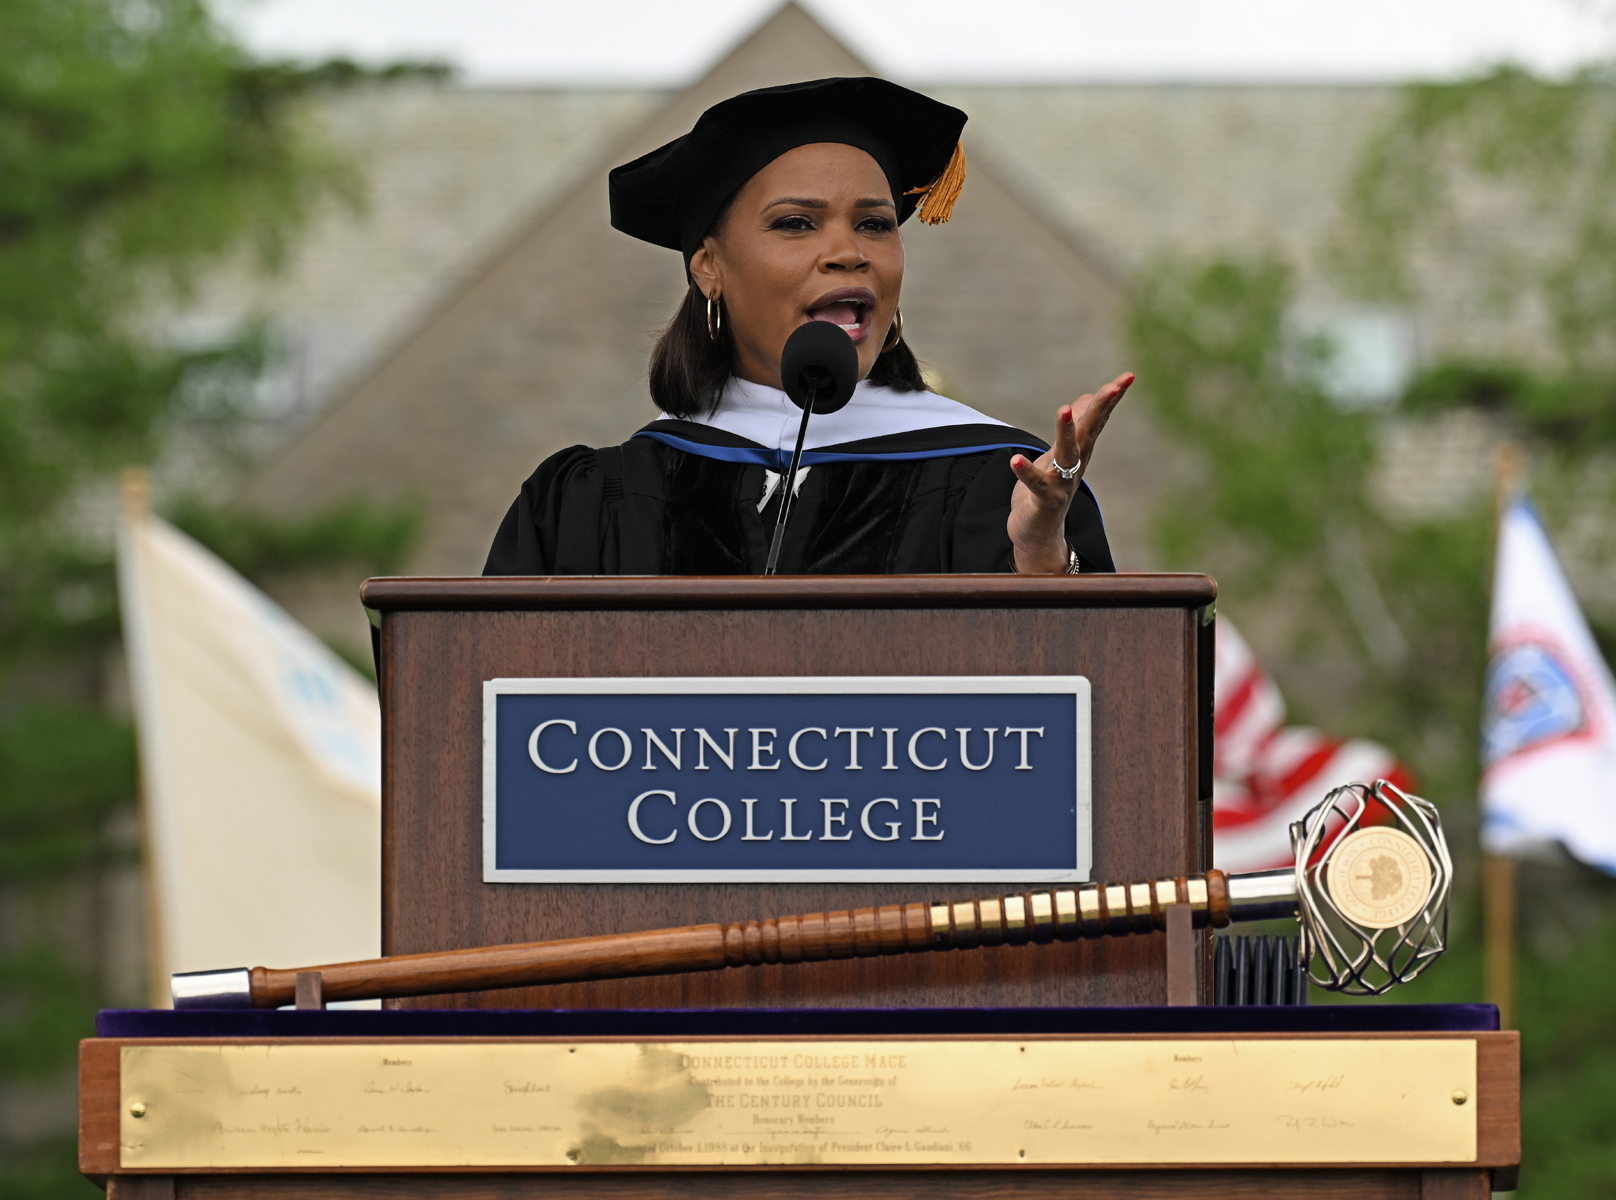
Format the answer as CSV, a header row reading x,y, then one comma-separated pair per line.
x,y
895,334
715,318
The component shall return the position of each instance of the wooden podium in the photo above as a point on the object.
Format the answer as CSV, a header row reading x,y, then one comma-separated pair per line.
x,y
1144,643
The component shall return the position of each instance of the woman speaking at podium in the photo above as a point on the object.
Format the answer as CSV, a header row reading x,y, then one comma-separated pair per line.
x,y
786,204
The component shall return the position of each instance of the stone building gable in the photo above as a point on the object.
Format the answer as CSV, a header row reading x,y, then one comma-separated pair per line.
x,y
447,177
1142,170
546,345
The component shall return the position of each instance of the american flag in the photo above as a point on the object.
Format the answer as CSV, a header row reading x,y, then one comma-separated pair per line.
x,y
1266,775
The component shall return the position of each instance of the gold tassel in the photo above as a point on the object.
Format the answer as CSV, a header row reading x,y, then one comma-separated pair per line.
x,y
938,196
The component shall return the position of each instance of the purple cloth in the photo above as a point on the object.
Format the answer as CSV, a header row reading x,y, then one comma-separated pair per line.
x,y
790,1022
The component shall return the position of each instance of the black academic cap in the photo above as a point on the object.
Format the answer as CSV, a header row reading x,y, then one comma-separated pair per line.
x,y
671,196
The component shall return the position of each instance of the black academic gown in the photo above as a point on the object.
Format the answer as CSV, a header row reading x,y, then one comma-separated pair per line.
x,y
681,498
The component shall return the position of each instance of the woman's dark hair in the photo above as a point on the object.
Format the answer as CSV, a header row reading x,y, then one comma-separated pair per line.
x,y
689,369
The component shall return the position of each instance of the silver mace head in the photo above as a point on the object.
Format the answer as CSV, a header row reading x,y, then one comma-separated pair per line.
x,y
1372,880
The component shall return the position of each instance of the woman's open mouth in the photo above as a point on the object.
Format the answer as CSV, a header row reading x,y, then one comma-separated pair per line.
x,y
850,308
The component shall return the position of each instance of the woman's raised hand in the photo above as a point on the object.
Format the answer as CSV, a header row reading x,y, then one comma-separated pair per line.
x,y
1042,494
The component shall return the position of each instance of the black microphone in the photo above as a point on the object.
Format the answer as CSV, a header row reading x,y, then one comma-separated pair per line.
x,y
819,369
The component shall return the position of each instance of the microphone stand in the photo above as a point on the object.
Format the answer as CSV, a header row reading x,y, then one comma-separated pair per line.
x,y
787,490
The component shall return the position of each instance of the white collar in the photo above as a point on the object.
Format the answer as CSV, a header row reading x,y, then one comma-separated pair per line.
x,y
767,416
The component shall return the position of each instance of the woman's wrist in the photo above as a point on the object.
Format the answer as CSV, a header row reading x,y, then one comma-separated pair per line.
x,y
1053,561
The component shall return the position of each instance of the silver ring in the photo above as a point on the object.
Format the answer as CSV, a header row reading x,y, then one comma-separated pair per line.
x,y
1067,473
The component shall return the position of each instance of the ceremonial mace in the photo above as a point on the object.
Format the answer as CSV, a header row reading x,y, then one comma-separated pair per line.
x,y
1369,887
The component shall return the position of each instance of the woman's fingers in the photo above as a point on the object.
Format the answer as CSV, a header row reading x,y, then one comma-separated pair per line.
x,y
1038,504
1077,427
1094,411
1068,449
1028,471
1039,478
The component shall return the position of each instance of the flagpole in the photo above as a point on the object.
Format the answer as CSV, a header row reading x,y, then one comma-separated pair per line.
x,y
1499,871
135,485
1498,899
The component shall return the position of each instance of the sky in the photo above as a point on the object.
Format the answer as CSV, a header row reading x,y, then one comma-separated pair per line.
x,y
669,42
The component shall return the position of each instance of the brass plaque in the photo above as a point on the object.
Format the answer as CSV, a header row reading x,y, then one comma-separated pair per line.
x,y
936,1101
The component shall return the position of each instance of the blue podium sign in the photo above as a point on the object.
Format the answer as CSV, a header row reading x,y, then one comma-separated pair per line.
x,y
822,779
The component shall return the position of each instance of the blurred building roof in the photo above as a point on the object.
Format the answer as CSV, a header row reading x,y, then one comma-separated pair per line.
x,y
478,312
536,331
1136,172
447,175
1129,173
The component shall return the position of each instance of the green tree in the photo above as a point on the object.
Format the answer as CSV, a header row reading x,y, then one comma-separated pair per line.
x,y
1380,628
138,145
1451,180
1380,624
1457,174
1385,621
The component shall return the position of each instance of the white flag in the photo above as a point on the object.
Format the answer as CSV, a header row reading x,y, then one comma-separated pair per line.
x,y
1549,712
260,757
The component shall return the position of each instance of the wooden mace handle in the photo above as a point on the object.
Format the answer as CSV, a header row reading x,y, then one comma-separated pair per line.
x,y
1066,914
